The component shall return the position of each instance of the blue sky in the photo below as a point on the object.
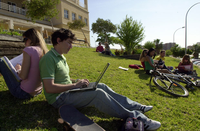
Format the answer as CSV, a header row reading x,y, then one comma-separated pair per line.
x,y
160,18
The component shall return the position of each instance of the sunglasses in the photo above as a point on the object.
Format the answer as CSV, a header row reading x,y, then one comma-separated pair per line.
x,y
25,39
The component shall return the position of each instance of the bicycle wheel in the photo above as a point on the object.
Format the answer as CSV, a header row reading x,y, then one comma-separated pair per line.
x,y
173,88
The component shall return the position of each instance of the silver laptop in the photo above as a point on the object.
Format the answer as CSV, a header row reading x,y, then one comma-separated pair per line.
x,y
93,85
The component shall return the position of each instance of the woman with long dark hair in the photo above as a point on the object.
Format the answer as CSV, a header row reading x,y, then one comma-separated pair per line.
x,y
149,63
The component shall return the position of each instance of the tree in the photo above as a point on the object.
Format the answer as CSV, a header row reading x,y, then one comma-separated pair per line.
x,y
149,44
116,40
158,45
78,25
196,50
131,32
41,9
102,38
176,50
103,26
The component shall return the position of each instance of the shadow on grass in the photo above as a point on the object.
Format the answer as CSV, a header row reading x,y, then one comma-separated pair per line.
x,y
18,114
34,114
142,74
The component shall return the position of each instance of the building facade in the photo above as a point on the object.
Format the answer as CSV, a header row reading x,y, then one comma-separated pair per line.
x,y
13,17
168,46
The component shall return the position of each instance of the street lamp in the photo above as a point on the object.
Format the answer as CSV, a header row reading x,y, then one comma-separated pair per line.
x,y
186,27
175,32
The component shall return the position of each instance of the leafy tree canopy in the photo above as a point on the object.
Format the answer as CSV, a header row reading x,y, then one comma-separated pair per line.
x,y
41,9
149,44
103,27
76,24
131,32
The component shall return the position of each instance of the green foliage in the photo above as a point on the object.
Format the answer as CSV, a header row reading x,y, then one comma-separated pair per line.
x,y
104,38
138,51
149,44
159,45
41,9
10,33
131,32
76,24
196,50
168,52
177,51
103,27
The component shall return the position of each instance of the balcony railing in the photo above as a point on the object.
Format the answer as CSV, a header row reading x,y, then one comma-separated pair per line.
x,y
12,8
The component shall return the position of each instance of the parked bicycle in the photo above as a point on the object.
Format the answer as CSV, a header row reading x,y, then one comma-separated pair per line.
x,y
188,80
168,85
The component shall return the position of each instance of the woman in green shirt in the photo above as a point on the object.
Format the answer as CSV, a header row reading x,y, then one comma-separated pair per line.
x,y
149,63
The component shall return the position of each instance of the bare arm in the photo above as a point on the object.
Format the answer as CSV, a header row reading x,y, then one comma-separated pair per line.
x,y
51,87
149,60
25,66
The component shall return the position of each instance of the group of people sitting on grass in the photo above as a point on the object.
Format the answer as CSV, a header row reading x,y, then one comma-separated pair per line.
x,y
148,62
107,50
49,69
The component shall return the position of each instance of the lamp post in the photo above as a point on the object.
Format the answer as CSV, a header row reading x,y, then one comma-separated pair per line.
x,y
175,32
186,26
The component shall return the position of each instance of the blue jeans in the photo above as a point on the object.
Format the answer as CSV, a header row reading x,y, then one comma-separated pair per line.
x,y
105,100
12,83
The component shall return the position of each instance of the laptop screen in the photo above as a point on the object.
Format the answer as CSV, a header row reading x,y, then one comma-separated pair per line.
x,y
102,73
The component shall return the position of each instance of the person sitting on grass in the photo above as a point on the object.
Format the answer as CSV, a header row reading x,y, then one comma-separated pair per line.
x,y
150,63
30,84
99,48
185,66
57,83
143,57
161,61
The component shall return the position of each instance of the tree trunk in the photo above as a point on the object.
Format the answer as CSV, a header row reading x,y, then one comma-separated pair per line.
x,y
85,37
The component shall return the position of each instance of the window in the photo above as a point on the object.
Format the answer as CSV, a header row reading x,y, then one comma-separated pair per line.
x,y
86,21
80,17
66,14
73,16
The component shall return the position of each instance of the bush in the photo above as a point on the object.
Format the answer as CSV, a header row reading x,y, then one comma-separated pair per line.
x,y
168,53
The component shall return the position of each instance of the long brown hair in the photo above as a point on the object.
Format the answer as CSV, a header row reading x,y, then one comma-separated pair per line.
x,y
36,39
142,54
187,57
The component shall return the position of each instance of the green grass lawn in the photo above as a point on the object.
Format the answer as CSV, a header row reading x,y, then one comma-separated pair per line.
x,y
175,114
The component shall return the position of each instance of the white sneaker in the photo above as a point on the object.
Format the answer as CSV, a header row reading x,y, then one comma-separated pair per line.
x,y
152,125
145,108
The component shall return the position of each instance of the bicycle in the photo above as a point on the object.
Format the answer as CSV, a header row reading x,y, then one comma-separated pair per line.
x,y
190,81
167,85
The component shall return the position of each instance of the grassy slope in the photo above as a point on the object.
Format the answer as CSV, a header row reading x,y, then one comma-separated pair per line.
x,y
35,114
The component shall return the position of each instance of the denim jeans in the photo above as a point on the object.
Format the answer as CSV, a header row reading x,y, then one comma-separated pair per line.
x,y
12,83
105,100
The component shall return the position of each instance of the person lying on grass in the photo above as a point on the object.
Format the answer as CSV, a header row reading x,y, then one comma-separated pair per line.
x,y
54,72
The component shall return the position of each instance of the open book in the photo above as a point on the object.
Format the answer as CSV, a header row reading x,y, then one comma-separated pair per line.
x,y
11,67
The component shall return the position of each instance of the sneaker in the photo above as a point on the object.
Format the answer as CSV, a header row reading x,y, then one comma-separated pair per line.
x,y
145,108
152,125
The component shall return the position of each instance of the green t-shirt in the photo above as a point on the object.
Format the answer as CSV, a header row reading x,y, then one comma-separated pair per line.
x,y
54,66
147,65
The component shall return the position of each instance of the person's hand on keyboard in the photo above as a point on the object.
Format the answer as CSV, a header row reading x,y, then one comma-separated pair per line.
x,y
82,83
